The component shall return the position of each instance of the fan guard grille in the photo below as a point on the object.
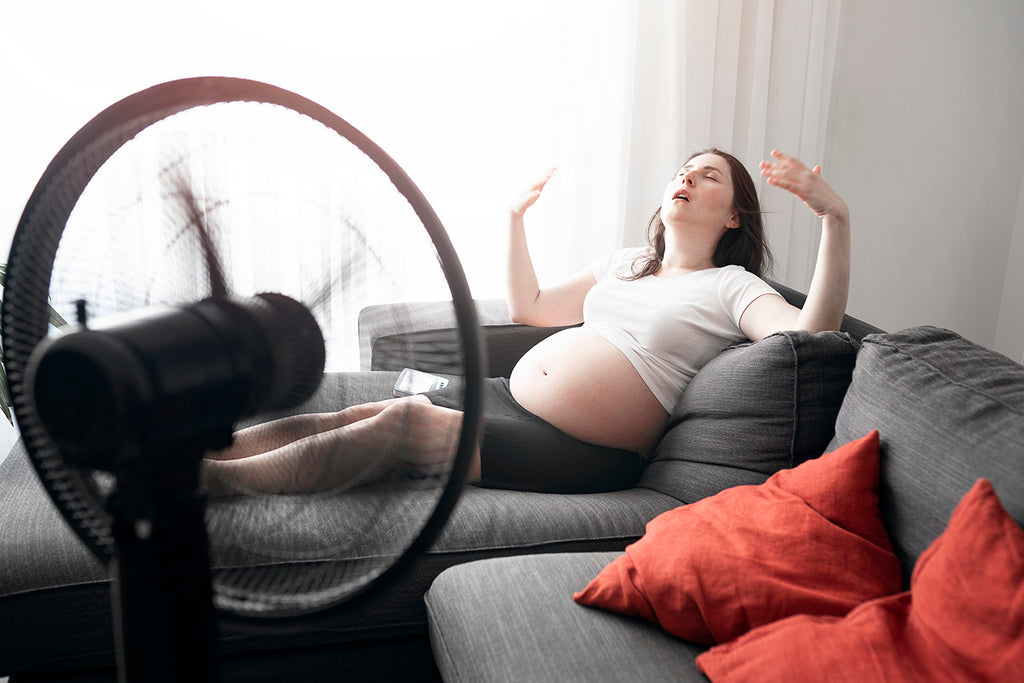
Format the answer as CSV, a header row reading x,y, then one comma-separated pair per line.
x,y
272,174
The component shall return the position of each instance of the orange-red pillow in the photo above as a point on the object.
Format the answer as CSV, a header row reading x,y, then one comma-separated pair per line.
x,y
808,540
962,620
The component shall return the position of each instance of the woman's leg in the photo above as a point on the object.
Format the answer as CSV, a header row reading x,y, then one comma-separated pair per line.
x,y
409,431
267,436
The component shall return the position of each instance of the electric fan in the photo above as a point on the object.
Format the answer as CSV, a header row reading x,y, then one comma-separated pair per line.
x,y
216,239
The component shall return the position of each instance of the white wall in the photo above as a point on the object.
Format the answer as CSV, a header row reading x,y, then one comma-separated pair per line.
x,y
1010,329
926,143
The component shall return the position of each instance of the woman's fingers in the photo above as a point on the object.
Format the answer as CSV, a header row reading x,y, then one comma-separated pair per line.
x,y
785,170
538,186
532,194
788,173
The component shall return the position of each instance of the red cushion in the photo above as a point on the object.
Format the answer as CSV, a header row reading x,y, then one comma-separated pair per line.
x,y
808,540
962,620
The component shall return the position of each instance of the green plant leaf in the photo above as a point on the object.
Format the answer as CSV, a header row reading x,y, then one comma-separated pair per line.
x,y
5,395
56,319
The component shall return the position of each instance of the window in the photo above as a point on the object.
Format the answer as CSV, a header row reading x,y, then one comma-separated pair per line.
x,y
473,99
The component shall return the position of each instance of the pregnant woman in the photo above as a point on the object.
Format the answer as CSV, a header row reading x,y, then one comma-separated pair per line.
x,y
584,407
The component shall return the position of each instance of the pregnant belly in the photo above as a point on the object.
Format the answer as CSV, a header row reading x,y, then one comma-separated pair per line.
x,y
579,382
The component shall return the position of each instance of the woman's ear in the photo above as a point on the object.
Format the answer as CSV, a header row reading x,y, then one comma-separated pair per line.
x,y
734,221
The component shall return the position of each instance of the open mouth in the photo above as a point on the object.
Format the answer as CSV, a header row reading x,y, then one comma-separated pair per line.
x,y
682,194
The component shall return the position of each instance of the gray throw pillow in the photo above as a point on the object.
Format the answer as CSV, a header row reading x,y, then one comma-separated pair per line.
x,y
948,412
753,410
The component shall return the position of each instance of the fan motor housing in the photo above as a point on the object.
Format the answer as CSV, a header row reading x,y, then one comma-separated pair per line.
x,y
171,383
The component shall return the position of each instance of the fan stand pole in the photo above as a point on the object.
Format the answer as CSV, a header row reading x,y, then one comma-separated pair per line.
x,y
164,618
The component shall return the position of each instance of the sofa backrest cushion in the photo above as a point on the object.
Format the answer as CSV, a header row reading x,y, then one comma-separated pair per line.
x,y
948,413
753,410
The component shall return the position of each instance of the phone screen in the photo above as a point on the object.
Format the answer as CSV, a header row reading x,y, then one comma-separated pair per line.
x,y
416,382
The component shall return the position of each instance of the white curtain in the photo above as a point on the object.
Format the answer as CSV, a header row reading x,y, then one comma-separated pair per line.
x,y
474,100
746,76
525,86
616,94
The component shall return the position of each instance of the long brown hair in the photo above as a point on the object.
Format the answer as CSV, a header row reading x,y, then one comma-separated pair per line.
x,y
743,246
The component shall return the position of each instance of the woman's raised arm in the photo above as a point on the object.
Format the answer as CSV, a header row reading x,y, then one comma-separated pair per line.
x,y
830,284
561,304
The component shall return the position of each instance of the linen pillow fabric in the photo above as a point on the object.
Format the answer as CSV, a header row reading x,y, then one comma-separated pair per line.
x,y
753,410
962,620
808,540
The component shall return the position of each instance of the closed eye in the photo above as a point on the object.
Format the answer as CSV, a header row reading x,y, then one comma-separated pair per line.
x,y
710,172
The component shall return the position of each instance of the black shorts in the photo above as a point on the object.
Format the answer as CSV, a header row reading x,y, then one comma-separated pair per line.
x,y
523,452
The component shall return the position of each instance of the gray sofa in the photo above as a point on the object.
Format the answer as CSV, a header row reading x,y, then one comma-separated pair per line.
x,y
754,410
948,412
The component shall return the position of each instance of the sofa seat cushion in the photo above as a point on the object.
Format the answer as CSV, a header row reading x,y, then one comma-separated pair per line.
x,y
56,596
753,410
513,619
949,412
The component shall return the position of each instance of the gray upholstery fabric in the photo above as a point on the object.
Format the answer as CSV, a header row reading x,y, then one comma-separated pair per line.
x,y
54,596
440,351
341,389
390,320
753,410
948,412
423,336
513,619
55,575
47,571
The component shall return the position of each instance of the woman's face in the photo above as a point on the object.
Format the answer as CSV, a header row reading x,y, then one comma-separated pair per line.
x,y
701,195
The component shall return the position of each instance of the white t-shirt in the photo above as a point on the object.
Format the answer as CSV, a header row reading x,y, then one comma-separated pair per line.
x,y
669,328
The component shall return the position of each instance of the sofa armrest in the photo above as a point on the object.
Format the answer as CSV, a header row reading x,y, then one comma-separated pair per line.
x,y
395,319
423,335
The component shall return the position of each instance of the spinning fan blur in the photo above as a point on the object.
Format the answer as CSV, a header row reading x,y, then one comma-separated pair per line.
x,y
207,184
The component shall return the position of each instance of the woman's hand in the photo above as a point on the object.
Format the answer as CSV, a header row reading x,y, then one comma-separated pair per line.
x,y
531,195
559,304
830,284
789,174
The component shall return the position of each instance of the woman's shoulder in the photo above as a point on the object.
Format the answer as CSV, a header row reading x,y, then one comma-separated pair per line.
x,y
738,281
734,272
631,253
619,261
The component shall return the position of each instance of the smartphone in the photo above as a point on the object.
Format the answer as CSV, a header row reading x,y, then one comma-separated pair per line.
x,y
415,382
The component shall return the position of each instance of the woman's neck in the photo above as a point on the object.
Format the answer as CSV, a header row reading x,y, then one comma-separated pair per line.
x,y
676,262
689,251
683,260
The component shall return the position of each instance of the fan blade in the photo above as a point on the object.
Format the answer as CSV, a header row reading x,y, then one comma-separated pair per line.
x,y
197,218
